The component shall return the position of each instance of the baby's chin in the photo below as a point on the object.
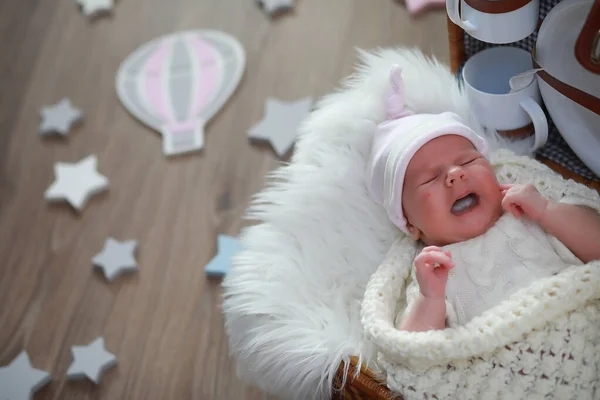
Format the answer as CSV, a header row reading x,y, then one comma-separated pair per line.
x,y
470,227
461,228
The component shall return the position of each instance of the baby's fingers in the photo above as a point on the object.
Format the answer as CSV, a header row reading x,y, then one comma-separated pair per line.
x,y
435,249
504,187
511,206
429,249
439,258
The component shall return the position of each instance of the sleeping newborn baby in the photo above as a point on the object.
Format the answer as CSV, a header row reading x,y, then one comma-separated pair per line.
x,y
481,241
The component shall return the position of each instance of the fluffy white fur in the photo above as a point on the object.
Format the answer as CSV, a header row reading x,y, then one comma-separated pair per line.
x,y
292,299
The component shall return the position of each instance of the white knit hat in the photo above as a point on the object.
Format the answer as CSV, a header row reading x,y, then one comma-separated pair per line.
x,y
396,141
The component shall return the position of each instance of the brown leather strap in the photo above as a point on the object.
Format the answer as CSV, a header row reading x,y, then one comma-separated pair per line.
x,y
587,46
497,6
580,97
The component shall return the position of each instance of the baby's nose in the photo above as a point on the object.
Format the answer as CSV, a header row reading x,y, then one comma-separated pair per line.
x,y
454,174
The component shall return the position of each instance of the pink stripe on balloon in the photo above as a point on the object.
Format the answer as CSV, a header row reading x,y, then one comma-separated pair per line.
x,y
208,77
155,70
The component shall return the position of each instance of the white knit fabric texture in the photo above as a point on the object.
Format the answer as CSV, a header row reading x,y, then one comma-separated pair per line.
x,y
542,342
491,267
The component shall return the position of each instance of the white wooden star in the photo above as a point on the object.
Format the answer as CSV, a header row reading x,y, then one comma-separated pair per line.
x,y
281,122
59,118
116,257
273,7
94,7
76,182
91,361
19,380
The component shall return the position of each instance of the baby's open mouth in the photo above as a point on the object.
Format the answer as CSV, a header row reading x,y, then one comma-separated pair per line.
x,y
465,204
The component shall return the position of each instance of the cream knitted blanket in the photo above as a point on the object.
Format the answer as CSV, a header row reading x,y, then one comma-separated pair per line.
x,y
543,342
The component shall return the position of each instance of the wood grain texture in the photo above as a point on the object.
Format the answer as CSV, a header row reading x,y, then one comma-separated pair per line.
x,y
164,323
456,45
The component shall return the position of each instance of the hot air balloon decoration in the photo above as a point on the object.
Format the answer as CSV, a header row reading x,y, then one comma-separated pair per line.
x,y
176,83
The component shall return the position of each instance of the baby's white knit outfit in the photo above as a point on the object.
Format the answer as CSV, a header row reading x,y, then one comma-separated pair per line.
x,y
542,342
489,268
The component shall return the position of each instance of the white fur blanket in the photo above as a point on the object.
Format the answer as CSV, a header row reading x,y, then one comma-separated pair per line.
x,y
292,299
542,342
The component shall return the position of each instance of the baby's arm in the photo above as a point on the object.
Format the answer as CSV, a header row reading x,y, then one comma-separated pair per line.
x,y
428,310
576,226
425,314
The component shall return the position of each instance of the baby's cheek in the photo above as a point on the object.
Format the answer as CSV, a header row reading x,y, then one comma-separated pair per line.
x,y
433,204
426,198
426,204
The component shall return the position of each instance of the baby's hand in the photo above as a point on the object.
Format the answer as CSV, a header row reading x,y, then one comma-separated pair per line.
x,y
522,200
432,266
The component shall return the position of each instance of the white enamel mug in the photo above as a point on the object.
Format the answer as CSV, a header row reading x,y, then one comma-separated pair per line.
x,y
486,77
495,27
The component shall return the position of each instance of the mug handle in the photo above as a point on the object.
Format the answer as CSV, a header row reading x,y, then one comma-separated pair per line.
x,y
540,123
454,15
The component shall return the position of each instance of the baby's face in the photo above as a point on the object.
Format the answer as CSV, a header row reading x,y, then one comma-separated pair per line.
x,y
450,192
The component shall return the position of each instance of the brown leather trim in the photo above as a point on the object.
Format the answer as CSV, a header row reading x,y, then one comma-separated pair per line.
x,y
582,98
497,6
588,39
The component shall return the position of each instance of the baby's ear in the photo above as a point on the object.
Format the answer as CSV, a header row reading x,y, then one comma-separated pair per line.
x,y
415,233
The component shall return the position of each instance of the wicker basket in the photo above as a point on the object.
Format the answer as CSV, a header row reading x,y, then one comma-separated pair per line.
x,y
367,385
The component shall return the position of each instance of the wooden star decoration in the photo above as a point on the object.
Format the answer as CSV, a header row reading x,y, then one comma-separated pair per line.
x,y
116,258
281,123
275,7
91,8
76,182
91,361
220,265
19,380
59,118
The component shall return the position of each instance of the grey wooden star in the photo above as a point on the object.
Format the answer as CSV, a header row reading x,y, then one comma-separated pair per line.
x,y
19,380
91,8
273,7
76,182
91,361
281,122
116,258
59,118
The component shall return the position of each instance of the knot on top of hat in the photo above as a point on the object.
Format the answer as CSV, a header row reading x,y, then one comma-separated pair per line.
x,y
394,103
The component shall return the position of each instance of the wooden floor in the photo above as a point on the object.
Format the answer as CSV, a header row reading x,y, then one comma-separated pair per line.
x,y
163,323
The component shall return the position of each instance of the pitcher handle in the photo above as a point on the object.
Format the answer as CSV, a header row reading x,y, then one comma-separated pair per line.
x,y
587,46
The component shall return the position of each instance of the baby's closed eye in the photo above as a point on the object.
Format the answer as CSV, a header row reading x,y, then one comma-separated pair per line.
x,y
469,160
430,179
